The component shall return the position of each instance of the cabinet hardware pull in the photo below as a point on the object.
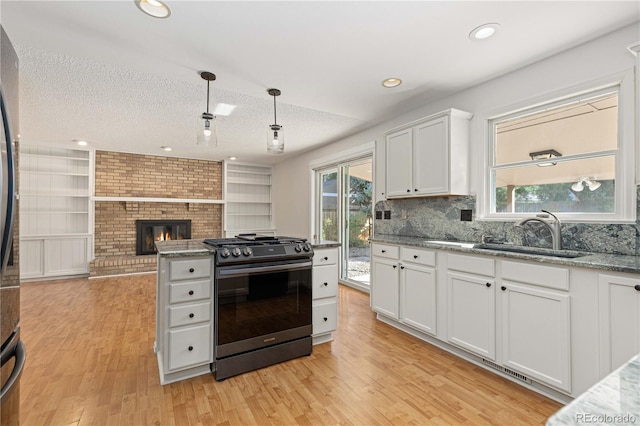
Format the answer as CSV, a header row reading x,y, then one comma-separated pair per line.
x,y
325,318
637,287
395,266
402,267
190,348
325,258
488,284
191,270
191,315
325,284
408,190
415,256
416,189
190,292
383,251
503,288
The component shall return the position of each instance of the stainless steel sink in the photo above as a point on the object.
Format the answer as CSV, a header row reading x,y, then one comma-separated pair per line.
x,y
452,243
531,250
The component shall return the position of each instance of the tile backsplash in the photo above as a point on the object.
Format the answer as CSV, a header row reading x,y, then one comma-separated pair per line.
x,y
438,218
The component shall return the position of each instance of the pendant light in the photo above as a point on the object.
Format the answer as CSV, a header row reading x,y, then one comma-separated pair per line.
x,y
275,134
207,134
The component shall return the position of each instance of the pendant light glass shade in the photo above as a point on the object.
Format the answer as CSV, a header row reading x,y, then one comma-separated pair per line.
x,y
275,139
275,133
207,134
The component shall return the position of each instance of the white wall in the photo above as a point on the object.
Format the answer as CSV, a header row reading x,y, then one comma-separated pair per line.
x,y
594,60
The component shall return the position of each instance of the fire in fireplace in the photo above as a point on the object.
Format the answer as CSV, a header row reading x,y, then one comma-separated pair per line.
x,y
150,231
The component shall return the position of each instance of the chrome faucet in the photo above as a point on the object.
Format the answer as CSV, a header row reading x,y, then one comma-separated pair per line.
x,y
555,227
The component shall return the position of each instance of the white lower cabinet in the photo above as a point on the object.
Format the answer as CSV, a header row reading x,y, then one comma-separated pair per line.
x,y
324,294
185,317
619,296
405,286
471,311
536,334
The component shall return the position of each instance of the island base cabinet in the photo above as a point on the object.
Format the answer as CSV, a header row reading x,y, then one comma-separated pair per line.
x,y
536,335
471,321
325,294
619,320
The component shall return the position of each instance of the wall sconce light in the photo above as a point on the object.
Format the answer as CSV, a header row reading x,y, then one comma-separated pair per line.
x,y
207,134
547,154
275,134
591,184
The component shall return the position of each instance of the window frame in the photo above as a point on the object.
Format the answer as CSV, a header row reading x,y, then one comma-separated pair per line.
x,y
625,203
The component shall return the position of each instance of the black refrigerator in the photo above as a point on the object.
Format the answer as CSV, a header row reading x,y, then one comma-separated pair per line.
x,y
12,350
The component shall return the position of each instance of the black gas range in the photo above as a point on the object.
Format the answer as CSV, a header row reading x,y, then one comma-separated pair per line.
x,y
263,308
255,248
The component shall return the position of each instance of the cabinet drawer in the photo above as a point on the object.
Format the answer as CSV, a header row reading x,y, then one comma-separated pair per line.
x,y
422,257
471,264
325,317
189,269
189,291
542,275
189,314
325,281
189,347
384,250
325,256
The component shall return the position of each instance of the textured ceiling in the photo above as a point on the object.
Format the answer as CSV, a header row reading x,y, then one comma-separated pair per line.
x,y
105,72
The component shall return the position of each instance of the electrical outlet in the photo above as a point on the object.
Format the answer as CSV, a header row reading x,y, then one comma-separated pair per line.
x,y
466,215
387,214
378,214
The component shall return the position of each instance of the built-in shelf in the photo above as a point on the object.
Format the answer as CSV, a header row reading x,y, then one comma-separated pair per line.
x,y
55,211
159,200
248,199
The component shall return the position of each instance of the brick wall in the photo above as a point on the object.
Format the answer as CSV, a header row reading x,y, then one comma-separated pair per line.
x,y
132,175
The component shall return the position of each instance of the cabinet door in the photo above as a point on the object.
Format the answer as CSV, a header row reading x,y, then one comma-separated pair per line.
x,y
536,334
471,322
384,287
619,320
431,158
418,297
398,152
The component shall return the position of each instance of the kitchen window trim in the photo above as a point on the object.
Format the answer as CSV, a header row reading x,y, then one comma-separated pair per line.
x,y
625,207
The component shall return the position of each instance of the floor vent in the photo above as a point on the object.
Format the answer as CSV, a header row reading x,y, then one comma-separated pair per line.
x,y
512,373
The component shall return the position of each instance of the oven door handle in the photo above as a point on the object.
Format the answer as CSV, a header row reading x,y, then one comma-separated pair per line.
x,y
222,272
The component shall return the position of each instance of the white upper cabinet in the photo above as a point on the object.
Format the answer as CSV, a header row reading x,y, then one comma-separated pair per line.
x,y
428,157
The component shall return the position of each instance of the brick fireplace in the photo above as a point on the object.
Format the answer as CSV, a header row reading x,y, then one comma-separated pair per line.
x,y
135,186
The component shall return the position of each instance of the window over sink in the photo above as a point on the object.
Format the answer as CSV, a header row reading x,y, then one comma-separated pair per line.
x,y
571,153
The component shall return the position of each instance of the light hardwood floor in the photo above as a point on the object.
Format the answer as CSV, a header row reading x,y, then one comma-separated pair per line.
x,y
90,360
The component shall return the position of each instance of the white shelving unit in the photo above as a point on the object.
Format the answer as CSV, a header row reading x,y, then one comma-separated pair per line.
x,y
55,211
248,199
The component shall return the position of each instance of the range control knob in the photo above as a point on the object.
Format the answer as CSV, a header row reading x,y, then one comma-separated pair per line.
x,y
225,252
298,248
236,252
247,251
306,247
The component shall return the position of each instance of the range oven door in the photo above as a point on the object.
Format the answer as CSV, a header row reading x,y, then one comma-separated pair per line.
x,y
262,304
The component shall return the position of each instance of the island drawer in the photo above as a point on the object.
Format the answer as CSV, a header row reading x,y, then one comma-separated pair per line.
x,y
189,314
189,291
189,269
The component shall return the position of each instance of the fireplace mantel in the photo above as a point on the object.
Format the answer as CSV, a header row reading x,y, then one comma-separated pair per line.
x,y
159,200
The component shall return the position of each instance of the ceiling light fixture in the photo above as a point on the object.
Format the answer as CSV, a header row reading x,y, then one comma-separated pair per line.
x,y
207,133
483,32
591,184
233,158
82,143
166,148
547,154
275,134
154,8
391,82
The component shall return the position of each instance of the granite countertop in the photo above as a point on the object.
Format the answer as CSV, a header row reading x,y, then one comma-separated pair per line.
x,y
178,248
615,400
607,262
319,244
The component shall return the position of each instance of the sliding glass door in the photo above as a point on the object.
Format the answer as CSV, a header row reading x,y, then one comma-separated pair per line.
x,y
344,215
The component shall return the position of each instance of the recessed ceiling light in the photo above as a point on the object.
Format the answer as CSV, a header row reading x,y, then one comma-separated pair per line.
x,y
81,142
154,8
391,82
483,31
165,148
233,158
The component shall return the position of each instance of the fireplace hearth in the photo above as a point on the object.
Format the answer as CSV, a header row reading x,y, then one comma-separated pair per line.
x,y
150,231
